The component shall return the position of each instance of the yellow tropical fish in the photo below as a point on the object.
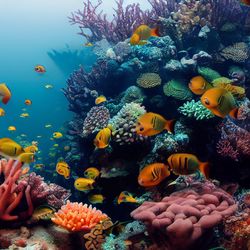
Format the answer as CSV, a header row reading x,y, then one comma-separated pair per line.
x,y
96,198
10,148
153,174
28,102
62,168
2,112
100,99
25,170
88,44
26,158
24,115
5,93
43,212
198,85
91,173
84,184
151,124
40,69
48,86
57,135
143,33
12,128
185,164
102,138
220,102
66,148
31,149
39,166
126,197
56,145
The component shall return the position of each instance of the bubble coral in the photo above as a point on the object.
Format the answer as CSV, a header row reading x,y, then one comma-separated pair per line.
x,y
75,217
124,123
97,118
149,80
238,52
177,89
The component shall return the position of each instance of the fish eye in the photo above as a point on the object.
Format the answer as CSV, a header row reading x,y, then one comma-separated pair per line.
x,y
206,101
141,129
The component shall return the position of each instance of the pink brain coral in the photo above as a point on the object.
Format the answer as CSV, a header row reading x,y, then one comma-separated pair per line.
x,y
75,216
181,218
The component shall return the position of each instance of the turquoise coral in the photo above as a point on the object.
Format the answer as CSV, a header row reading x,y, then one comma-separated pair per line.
x,y
195,110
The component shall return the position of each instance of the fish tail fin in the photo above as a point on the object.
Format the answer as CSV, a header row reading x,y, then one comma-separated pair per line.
x,y
6,99
234,113
204,168
155,32
170,125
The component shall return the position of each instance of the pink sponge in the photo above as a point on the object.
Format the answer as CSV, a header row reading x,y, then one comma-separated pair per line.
x,y
181,218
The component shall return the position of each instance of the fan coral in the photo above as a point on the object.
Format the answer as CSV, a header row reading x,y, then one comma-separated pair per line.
x,y
12,191
124,123
149,80
75,216
185,215
97,118
177,89
195,110
237,52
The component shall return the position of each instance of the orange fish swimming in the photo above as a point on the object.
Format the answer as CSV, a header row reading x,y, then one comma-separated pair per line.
x,y
28,102
220,102
102,138
5,93
143,33
100,99
151,124
198,85
126,197
153,174
185,164
40,69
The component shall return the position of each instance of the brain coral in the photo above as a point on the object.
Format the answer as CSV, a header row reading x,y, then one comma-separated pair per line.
x,y
124,123
177,89
238,52
149,80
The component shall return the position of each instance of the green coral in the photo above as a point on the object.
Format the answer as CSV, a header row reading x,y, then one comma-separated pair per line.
x,y
195,110
177,89
208,73
221,80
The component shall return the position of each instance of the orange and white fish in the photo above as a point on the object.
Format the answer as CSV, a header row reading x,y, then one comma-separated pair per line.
x,y
40,69
27,102
151,124
185,164
153,174
143,33
5,93
102,138
220,102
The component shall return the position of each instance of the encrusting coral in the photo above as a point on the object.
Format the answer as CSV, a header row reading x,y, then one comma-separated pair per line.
x,y
149,80
78,217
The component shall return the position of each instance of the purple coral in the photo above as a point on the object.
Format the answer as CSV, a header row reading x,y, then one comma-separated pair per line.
x,y
97,118
180,219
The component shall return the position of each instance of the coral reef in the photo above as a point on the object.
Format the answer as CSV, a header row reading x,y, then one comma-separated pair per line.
x,y
195,110
78,217
123,124
180,219
149,80
178,90
97,119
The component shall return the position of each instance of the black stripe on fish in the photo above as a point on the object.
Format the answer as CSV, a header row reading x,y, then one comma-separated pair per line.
x,y
15,151
186,164
179,164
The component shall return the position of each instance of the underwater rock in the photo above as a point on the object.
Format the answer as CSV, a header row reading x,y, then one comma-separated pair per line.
x,y
202,58
237,75
173,65
133,94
